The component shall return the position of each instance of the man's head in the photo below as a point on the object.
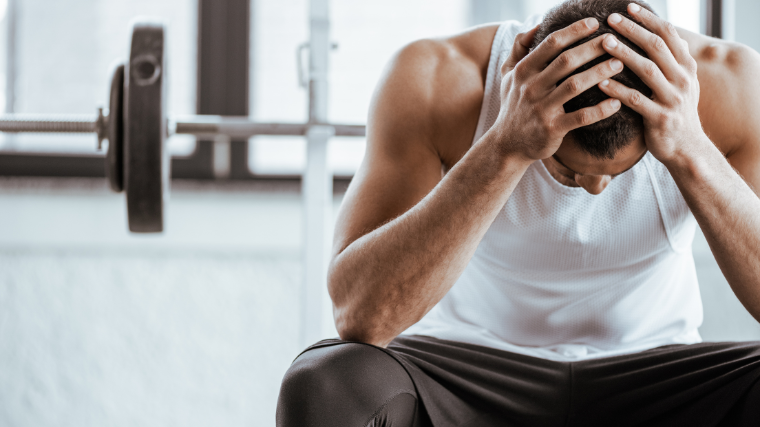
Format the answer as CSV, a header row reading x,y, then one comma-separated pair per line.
x,y
604,139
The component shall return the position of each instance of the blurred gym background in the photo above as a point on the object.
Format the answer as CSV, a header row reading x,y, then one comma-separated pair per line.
x,y
196,327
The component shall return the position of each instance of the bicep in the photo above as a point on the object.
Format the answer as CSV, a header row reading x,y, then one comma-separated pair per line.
x,y
742,114
401,165
729,102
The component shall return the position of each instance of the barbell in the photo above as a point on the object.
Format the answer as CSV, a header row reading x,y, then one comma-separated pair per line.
x,y
136,127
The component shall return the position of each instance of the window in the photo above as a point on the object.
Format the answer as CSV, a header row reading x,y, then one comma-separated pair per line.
x,y
683,13
65,51
367,34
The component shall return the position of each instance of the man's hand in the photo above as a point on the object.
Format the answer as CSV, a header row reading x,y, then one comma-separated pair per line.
x,y
726,208
671,118
532,120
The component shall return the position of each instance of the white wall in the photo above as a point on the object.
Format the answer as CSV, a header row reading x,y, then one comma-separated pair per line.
x,y
192,328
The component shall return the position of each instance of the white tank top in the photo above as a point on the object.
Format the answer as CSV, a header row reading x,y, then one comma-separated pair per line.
x,y
565,275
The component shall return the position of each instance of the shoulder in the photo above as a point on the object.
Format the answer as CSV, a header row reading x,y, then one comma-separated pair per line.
x,y
433,88
729,103
421,105
465,52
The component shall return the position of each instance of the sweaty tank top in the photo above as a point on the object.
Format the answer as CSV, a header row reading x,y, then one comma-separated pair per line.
x,y
565,275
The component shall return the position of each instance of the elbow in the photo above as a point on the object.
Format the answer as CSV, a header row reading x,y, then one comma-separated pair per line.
x,y
355,328
356,322
358,315
350,320
349,330
373,324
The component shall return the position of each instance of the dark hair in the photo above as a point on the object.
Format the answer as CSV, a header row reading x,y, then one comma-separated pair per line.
x,y
604,138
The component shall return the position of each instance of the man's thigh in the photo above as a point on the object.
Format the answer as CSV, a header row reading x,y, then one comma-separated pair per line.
x,y
338,383
708,384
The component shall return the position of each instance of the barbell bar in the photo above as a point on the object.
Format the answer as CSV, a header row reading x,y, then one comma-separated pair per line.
x,y
201,126
136,126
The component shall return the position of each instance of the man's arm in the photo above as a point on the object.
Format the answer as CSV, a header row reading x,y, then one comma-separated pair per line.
x,y
382,277
725,206
729,102
404,234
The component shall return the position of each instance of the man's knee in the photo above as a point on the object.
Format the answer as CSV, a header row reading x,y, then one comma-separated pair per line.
x,y
346,382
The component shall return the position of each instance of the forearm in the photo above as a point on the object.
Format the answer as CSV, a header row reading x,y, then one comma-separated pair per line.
x,y
385,281
728,211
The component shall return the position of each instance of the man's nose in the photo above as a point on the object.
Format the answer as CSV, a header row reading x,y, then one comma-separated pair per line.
x,y
594,184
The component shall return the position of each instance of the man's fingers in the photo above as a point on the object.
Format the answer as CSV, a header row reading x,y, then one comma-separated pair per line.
x,y
569,61
579,83
647,70
557,41
520,49
662,28
630,97
586,116
658,50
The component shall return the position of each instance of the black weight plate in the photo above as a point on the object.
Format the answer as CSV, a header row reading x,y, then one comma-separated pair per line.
x,y
115,153
146,161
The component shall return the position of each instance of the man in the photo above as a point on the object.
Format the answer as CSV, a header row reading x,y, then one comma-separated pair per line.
x,y
516,247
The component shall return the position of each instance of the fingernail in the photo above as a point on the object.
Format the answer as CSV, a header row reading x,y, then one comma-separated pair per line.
x,y
611,42
633,7
615,103
605,83
592,22
615,18
616,64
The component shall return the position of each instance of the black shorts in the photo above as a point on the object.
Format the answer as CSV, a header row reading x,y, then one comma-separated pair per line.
x,y
423,381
